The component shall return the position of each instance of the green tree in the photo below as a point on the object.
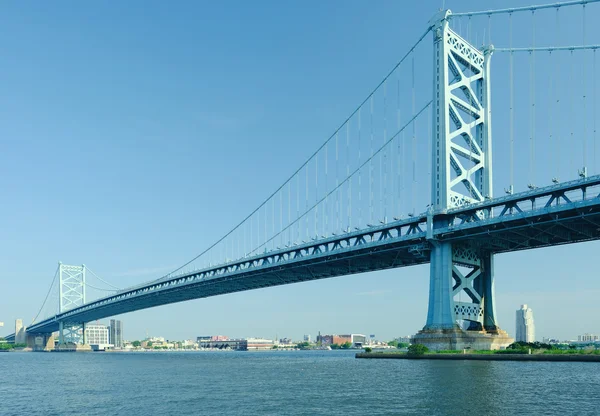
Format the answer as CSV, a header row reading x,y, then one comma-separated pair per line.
x,y
403,345
149,344
368,350
136,344
417,349
303,345
393,343
335,346
346,345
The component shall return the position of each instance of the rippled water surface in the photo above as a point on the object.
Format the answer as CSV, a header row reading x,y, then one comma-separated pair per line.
x,y
288,383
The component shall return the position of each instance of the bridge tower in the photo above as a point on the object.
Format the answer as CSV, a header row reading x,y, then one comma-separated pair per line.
x,y
461,276
71,295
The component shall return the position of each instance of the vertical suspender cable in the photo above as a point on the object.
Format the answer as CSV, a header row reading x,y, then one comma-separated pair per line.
x,y
550,94
414,138
384,193
571,141
326,194
531,100
595,115
371,170
533,112
380,199
289,212
392,189
557,112
399,155
316,213
306,210
584,98
359,172
512,110
348,176
298,205
337,183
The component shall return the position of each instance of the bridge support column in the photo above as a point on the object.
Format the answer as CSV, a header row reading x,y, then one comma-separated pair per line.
x,y
461,312
440,312
40,342
72,337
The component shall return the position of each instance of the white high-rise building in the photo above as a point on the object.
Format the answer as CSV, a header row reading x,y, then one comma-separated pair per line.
x,y
525,325
96,334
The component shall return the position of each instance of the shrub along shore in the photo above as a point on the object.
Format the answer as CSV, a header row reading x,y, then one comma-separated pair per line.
x,y
519,351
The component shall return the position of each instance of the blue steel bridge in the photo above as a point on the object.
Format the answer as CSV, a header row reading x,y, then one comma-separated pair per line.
x,y
420,142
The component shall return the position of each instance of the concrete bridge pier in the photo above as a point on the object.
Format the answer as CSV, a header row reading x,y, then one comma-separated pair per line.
x,y
458,272
40,342
72,338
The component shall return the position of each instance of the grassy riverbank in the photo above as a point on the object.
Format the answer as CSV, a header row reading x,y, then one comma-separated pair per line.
x,y
484,356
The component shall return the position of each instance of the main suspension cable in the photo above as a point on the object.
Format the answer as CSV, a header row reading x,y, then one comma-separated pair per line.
x,y
523,9
47,294
102,280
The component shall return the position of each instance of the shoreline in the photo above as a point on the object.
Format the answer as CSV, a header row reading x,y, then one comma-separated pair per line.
x,y
485,357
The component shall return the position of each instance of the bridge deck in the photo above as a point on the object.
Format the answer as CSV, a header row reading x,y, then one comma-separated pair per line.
x,y
560,214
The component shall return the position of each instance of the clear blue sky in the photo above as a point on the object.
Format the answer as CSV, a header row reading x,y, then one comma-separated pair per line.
x,y
134,134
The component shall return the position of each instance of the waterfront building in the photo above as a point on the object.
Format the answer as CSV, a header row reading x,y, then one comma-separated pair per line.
x,y
219,338
405,339
306,338
189,343
259,344
229,344
524,324
285,341
116,333
357,340
588,338
96,334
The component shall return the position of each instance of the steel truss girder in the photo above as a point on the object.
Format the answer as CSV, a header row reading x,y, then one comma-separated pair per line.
x,y
490,234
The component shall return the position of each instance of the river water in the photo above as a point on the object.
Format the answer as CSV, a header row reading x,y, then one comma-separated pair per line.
x,y
288,383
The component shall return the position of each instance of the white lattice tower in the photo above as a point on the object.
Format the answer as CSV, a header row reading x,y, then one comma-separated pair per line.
x,y
71,295
462,118
462,175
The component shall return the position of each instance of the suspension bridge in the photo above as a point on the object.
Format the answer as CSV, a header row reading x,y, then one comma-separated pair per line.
x,y
406,179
